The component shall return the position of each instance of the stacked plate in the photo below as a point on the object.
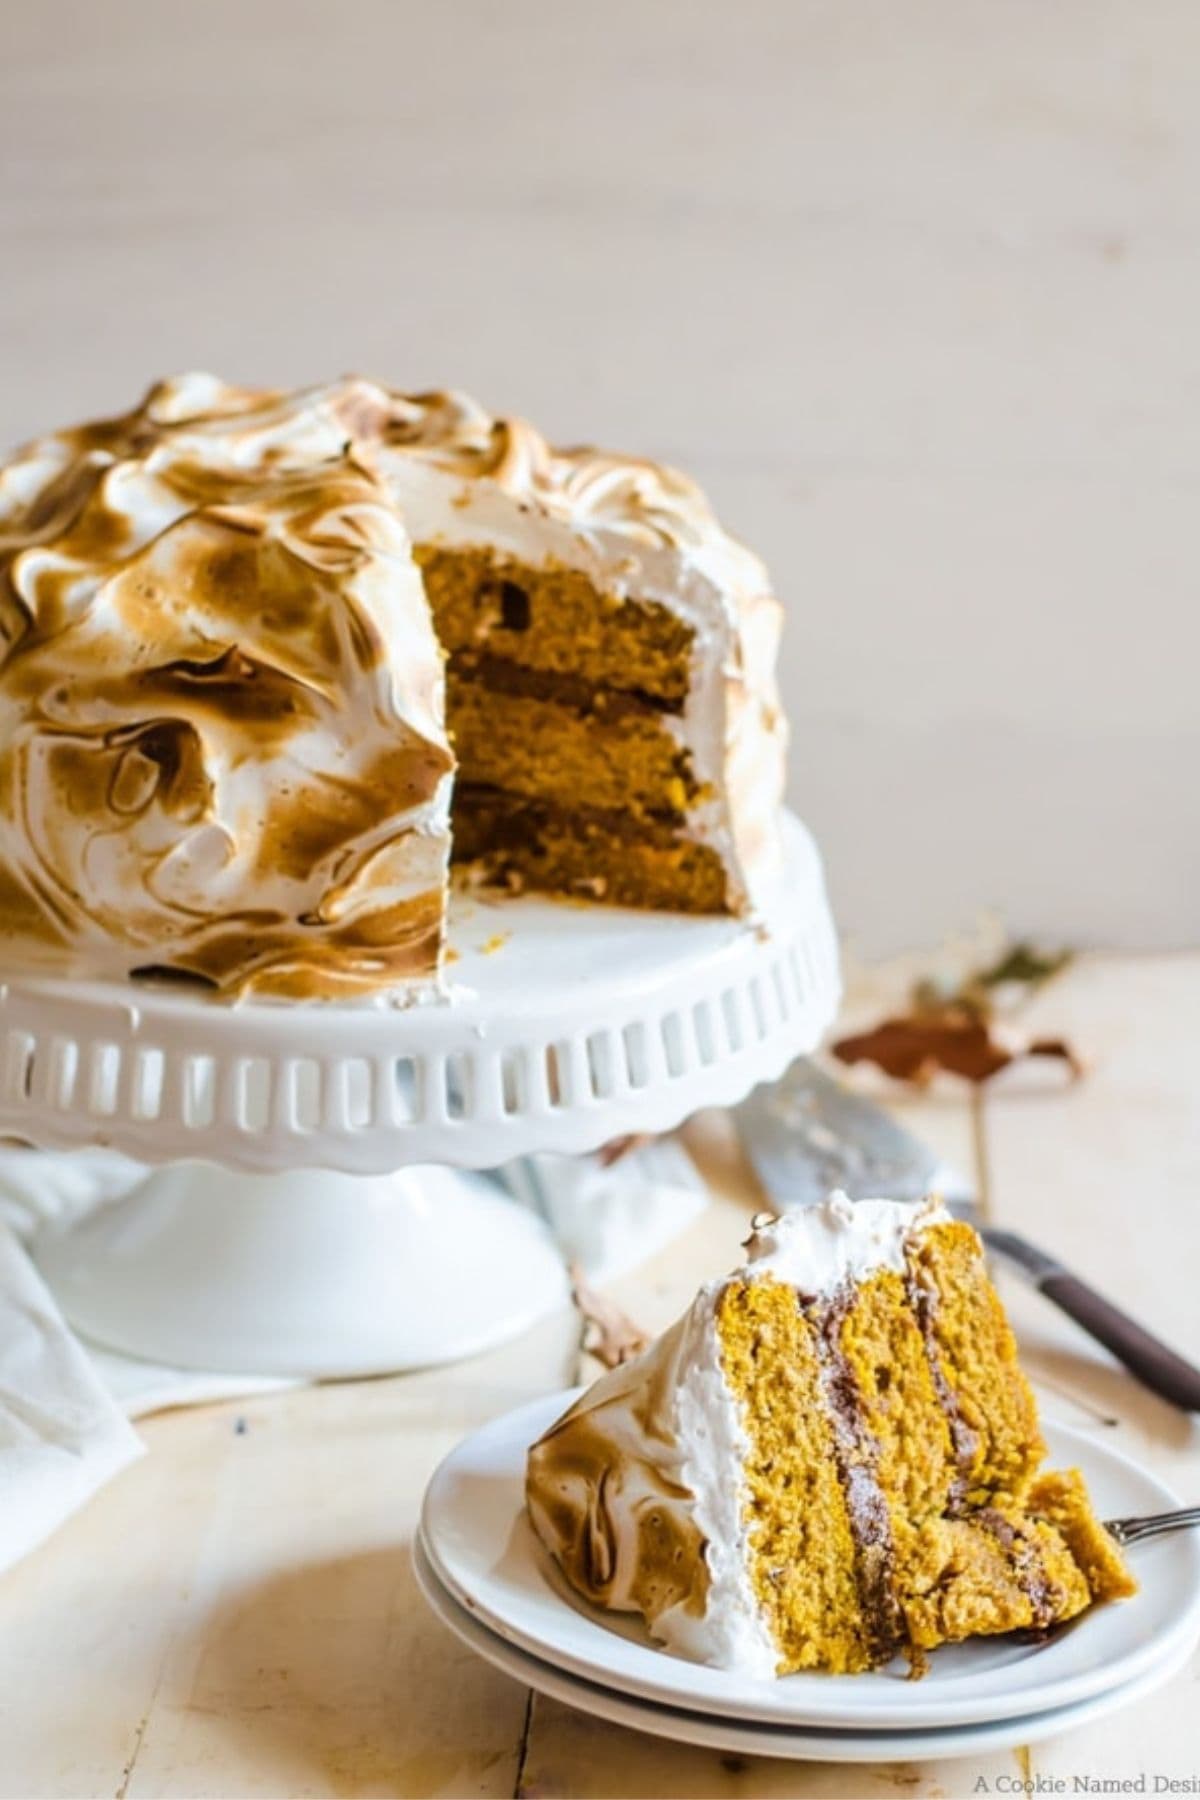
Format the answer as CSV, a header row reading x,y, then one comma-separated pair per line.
x,y
486,1576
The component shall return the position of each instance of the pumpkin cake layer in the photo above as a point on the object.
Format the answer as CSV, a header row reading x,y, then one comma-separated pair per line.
x,y
600,754
587,853
845,1431
557,620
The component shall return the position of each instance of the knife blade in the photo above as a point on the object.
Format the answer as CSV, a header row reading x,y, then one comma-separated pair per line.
x,y
808,1134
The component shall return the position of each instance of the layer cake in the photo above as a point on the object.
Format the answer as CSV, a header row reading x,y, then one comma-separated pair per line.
x,y
271,658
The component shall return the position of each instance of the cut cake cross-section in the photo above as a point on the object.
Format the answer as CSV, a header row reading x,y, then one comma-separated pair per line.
x,y
832,1458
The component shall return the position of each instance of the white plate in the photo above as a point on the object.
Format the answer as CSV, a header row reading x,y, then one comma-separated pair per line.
x,y
802,1744
482,1547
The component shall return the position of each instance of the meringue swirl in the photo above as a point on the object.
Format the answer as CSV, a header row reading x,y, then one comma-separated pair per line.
x,y
583,487
223,751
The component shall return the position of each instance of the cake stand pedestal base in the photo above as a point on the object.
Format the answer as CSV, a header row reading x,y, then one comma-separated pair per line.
x,y
306,1272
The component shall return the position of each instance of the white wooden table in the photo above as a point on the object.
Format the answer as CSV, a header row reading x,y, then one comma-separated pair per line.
x,y
236,1615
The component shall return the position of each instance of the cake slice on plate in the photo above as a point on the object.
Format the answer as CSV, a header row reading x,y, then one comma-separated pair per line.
x,y
832,1458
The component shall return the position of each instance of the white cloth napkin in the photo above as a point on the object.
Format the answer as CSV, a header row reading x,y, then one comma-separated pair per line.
x,y
65,1407
62,1435
610,1214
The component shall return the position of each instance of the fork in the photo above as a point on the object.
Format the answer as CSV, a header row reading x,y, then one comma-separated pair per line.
x,y
1134,1531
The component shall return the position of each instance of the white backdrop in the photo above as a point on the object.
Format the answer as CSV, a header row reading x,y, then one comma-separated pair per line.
x,y
913,286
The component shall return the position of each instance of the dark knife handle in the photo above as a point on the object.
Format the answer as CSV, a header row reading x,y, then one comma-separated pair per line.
x,y
1147,1357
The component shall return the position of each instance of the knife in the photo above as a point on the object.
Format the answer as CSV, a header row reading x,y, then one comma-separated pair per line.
x,y
808,1134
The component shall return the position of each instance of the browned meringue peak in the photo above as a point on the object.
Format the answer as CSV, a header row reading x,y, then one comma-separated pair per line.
x,y
581,485
585,487
222,748
232,427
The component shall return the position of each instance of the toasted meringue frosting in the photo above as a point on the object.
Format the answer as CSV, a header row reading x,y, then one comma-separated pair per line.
x,y
221,741
224,752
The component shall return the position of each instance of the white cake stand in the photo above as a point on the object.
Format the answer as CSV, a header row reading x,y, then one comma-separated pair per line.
x,y
308,1213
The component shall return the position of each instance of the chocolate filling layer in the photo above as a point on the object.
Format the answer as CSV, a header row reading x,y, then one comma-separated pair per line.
x,y
505,676
857,1453
1027,1564
964,1439
512,819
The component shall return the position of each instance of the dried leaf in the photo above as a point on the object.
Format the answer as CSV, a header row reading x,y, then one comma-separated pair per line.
x,y
952,1027
917,1046
609,1334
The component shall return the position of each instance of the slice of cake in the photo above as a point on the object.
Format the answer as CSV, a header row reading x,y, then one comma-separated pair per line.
x,y
261,619
832,1458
